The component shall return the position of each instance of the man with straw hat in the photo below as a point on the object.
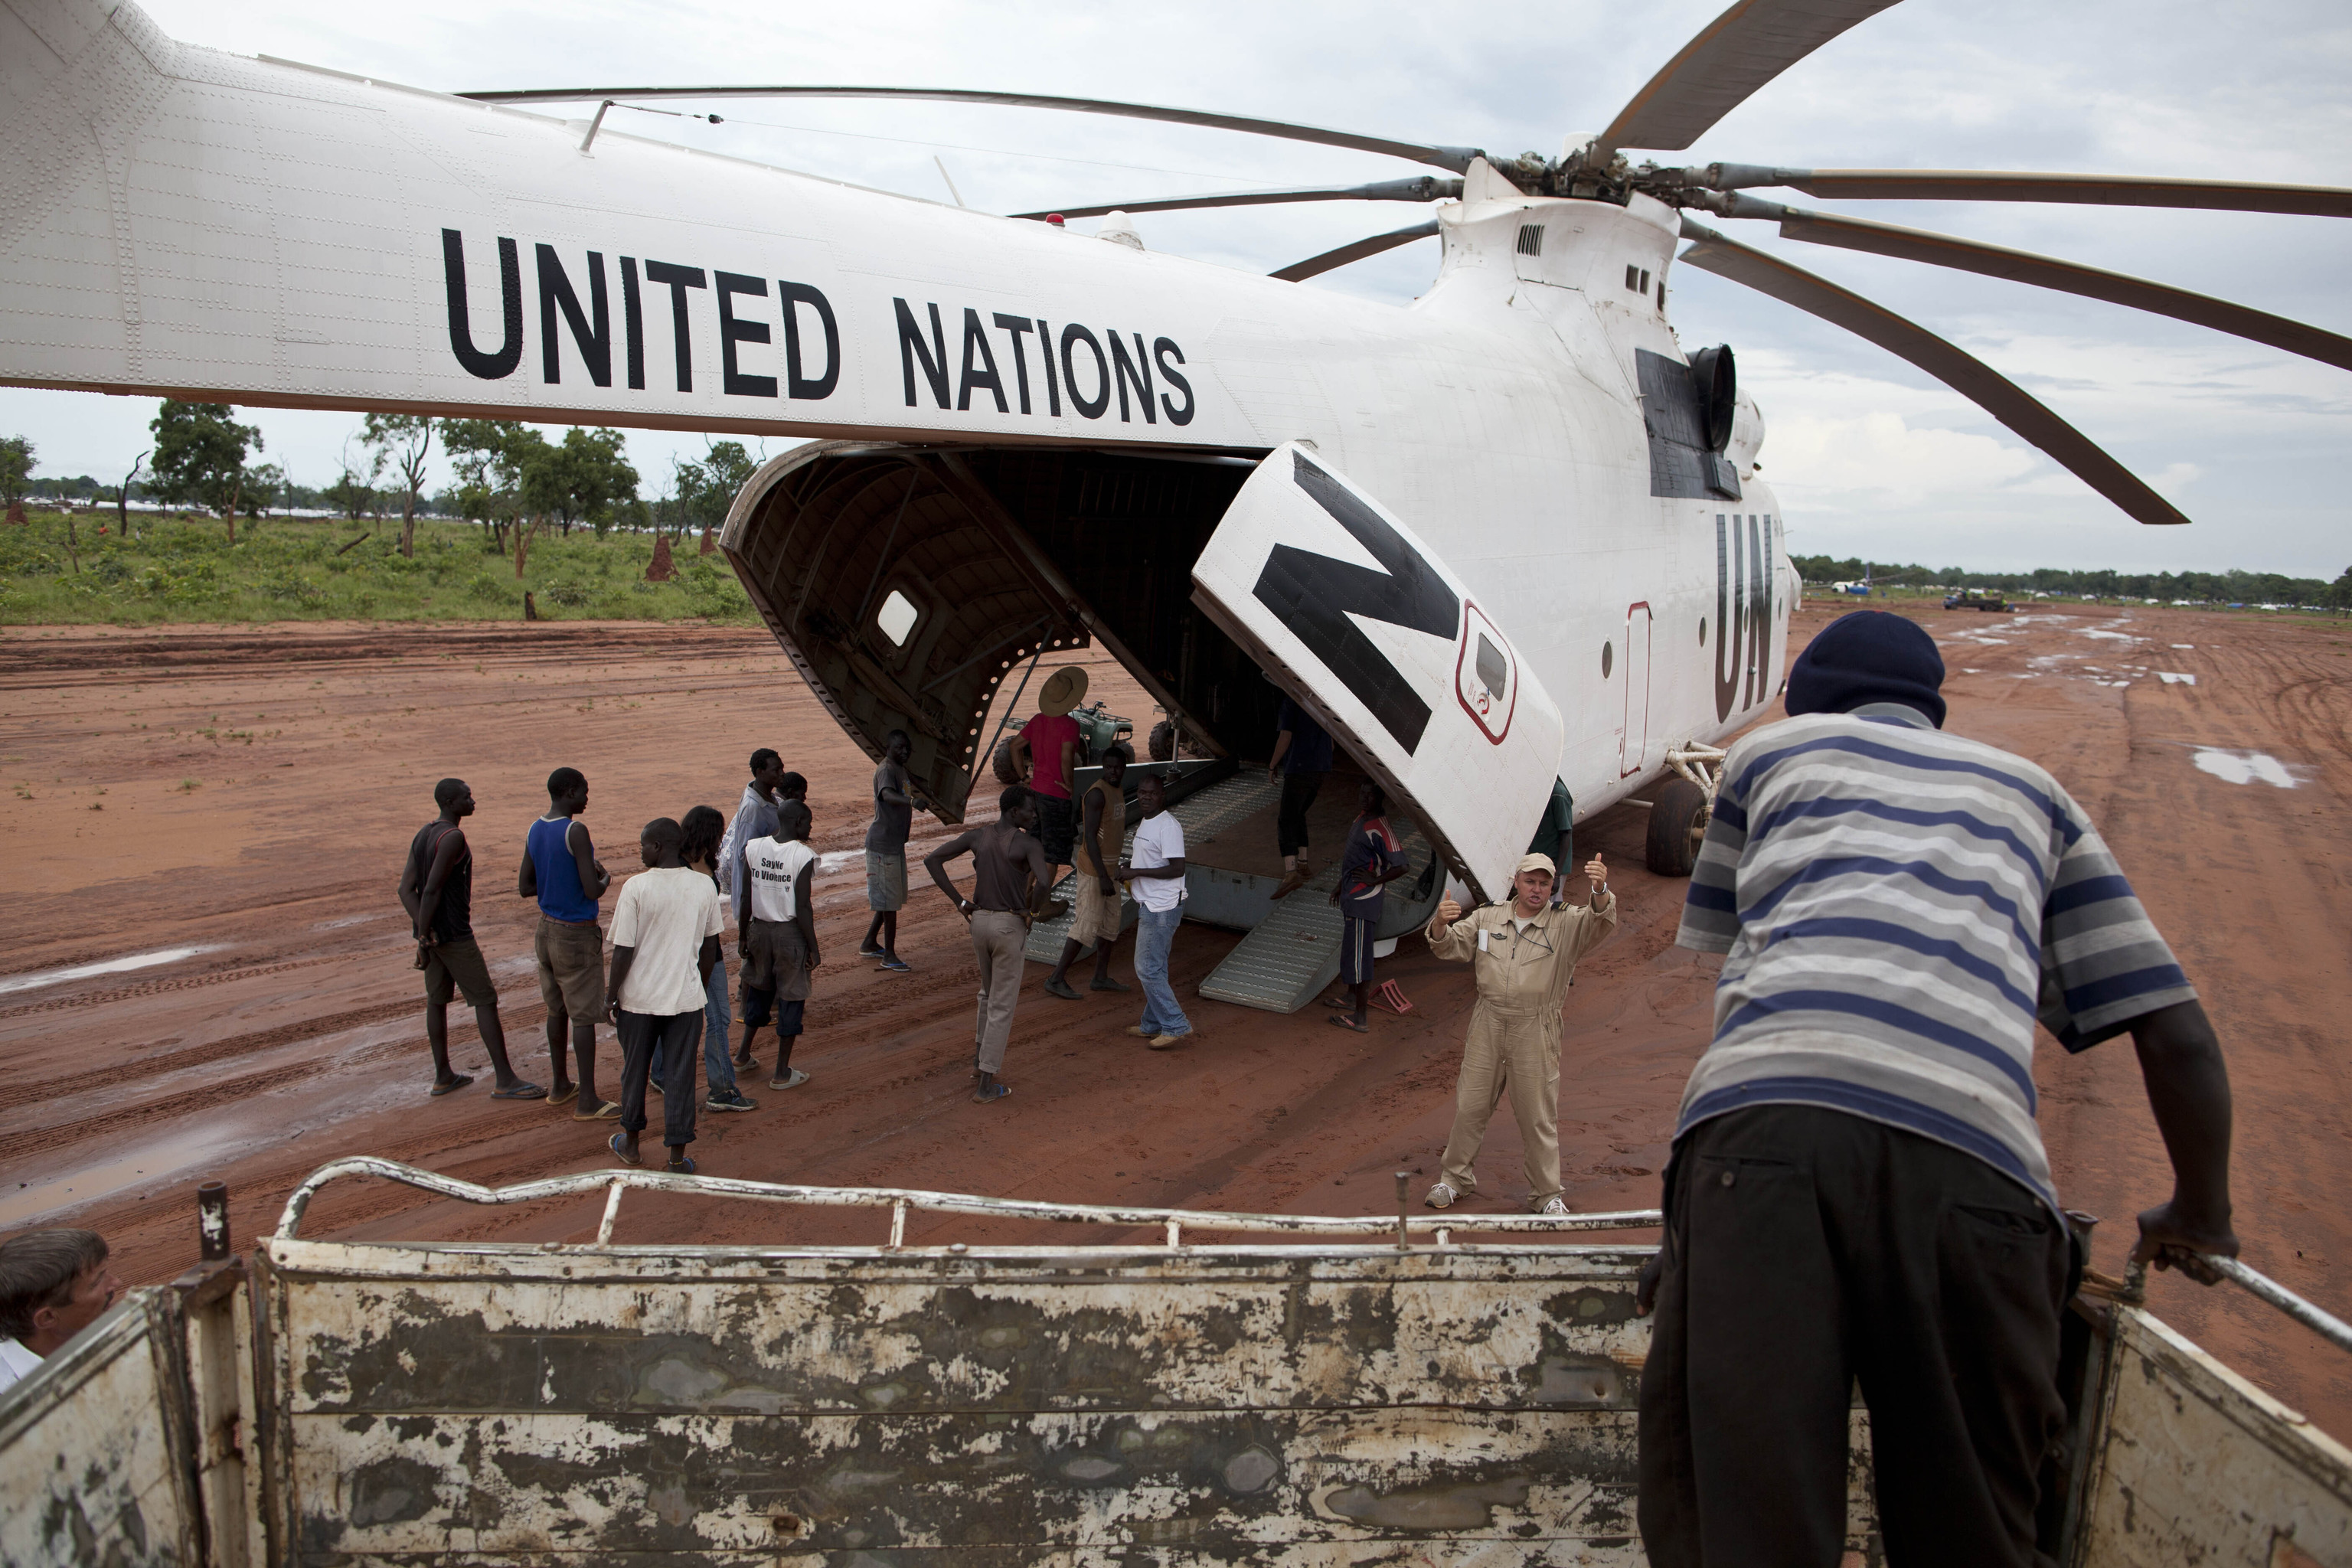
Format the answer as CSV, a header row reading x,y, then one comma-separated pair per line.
x,y
1524,954
1048,751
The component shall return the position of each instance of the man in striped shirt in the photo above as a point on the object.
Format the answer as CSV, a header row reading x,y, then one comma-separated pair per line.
x,y
1858,1190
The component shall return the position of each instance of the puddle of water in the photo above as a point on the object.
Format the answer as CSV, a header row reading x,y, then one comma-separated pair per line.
x,y
840,860
2244,767
2184,645
2172,677
34,979
2111,636
151,1163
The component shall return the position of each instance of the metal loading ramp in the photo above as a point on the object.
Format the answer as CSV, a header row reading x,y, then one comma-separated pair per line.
x,y
1205,813
1292,954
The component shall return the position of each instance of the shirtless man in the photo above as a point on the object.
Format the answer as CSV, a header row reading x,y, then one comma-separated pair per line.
x,y
1008,863
436,887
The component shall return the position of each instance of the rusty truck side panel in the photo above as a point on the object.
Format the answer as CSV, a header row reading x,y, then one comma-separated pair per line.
x,y
2197,1465
1229,1404
94,1450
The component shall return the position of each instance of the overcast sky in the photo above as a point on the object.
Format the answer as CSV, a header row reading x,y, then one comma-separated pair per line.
x,y
1869,455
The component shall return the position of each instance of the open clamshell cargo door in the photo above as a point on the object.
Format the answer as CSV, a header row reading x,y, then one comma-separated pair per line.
x,y
1361,622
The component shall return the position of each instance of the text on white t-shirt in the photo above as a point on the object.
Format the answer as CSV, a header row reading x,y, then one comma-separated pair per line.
x,y
776,873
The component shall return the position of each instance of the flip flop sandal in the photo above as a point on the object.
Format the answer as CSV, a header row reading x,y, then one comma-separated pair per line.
x,y
452,1086
609,1111
564,1096
1341,1021
617,1143
683,1166
1336,1005
520,1091
994,1091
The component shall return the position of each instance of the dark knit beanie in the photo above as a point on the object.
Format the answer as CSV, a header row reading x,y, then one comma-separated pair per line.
x,y
1869,656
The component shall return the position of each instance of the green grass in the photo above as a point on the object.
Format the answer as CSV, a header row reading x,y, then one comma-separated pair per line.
x,y
174,570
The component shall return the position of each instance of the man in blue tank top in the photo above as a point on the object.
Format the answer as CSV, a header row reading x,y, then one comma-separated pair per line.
x,y
560,869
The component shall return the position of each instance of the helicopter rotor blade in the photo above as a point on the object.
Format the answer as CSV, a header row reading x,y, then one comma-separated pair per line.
x,y
1298,270
2046,272
1455,159
1420,188
1730,59
1954,366
2012,185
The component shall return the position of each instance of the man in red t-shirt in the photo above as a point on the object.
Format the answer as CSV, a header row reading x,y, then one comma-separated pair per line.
x,y
1048,751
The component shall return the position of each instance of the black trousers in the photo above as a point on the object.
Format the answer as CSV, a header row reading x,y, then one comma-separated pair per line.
x,y
1806,1250
1298,793
668,1044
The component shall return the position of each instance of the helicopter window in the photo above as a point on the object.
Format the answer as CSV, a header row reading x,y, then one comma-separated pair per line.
x,y
897,617
1633,277
1608,656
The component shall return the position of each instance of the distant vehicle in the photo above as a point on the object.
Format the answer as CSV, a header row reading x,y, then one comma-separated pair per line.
x,y
1973,599
1859,590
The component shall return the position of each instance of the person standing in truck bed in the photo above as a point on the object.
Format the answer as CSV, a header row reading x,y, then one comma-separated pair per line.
x,y
1858,1191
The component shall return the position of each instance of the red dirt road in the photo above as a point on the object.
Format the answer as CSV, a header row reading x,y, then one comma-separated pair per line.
x,y
248,793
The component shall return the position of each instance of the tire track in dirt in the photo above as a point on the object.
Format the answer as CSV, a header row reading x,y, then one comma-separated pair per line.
x,y
178,982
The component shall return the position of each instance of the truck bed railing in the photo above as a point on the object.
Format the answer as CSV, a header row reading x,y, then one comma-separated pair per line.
x,y
1400,1228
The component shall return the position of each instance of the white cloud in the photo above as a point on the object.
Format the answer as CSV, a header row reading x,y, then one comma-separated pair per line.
x,y
1878,460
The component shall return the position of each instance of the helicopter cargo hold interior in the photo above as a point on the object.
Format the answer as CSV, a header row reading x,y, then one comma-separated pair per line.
x,y
909,584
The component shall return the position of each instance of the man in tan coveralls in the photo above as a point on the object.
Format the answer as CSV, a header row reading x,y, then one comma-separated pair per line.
x,y
1524,954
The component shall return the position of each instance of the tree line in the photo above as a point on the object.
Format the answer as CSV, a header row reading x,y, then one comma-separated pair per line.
x,y
509,478
2232,587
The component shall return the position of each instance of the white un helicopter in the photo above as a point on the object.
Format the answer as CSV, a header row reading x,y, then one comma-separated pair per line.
x,y
1510,531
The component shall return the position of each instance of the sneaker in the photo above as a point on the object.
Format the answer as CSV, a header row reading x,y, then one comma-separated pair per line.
x,y
890,965
1440,1196
1554,1208
794,1078
1139,1031
1169,1042
729,1100
870,951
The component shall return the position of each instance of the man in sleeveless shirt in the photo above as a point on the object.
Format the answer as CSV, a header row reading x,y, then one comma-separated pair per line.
x,y
1008,868
560,869
438,889
1097,914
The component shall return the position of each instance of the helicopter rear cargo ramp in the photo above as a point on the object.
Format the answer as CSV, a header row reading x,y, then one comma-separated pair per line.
x,y
1294,952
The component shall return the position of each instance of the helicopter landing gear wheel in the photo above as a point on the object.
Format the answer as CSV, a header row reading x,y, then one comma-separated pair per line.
x,y
1008,771
1678,819
1162,743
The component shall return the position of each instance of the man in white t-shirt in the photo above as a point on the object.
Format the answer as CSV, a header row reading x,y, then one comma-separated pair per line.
x,y
53,1285
664,939
776,940
1155,868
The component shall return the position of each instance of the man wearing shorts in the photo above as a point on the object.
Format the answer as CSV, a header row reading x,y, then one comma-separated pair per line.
x,y
1097,914
560,869
775,936
1372,859
438,889
1048,751
886,852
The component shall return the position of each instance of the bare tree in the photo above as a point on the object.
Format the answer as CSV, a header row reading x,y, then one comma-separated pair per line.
x,y
406,440
122,497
